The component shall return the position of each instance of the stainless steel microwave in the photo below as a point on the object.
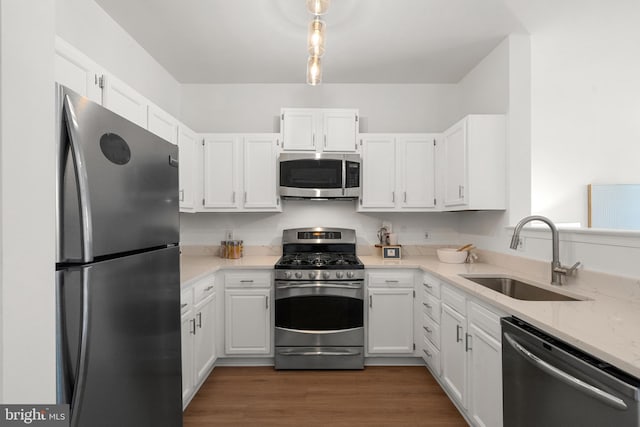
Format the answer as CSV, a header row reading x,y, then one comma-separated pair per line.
x,y
319,176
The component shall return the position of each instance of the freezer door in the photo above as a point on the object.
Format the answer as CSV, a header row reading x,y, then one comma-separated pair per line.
x,y
118,341
117,183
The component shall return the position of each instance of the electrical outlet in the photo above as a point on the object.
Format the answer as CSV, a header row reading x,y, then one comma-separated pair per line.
x,y
228,235
426,235
520,244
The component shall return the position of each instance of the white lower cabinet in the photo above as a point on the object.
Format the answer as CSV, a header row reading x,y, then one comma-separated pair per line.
x,y
390,302
247,316
431,319
471,357
198,311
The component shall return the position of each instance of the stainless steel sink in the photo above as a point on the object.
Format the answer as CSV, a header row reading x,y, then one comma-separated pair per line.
x,y
517,289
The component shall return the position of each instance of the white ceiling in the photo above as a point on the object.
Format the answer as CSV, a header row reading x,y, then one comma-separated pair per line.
x,y
264,41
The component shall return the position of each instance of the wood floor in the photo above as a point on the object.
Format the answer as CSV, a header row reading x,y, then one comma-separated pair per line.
x,y
377,396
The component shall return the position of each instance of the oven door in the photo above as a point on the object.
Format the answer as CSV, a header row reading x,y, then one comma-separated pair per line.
x,y
319,313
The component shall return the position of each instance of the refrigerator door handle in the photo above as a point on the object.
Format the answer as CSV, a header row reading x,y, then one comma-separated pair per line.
x,y
63,391
83,357
81,174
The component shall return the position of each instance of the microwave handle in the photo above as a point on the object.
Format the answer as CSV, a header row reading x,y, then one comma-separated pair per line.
x,y
344,177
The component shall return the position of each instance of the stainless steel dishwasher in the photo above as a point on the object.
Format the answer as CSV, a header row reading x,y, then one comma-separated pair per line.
x,y
547,382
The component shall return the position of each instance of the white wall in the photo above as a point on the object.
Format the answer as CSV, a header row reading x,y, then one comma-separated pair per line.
x,y
87,27
585,99
27,257
266,229
383,107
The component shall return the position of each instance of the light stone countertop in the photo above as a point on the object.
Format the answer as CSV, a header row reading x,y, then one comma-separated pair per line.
x,y
606,324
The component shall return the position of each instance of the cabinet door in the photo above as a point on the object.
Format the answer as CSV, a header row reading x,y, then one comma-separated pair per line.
x,y
247,321
485,378
187,144
452,351
188,328
162,124
220,172
260,172
122,100
205,339
455,164
378,172
417,171
299,130
390,321
340,130
77,72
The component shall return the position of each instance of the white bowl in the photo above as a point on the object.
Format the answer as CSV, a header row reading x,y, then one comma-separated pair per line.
x,y
451,255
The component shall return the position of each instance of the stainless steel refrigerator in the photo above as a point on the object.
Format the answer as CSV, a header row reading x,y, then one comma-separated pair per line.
x,y
117,270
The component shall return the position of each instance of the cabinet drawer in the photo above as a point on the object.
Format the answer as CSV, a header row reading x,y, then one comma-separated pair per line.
x,y
258,279
400,279
431,356
431,330
186,300
454,299
486,320
203,289
431,285
431,307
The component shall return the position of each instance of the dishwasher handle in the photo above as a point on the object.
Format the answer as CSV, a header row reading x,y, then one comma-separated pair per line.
x,y
566,378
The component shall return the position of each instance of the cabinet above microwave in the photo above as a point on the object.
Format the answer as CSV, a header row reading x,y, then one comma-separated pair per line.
x,y
319,129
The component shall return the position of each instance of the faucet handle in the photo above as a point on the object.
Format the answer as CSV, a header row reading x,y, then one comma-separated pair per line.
x,y
567,271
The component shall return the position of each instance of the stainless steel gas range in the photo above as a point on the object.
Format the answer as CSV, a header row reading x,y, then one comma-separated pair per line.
x,y
319,300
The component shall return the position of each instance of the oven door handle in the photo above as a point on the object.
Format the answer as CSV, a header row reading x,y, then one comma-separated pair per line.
x,y
318,285
566,378
318,353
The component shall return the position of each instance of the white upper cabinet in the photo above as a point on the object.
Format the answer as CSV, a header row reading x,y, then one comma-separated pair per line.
x,y
77,72
319,129
123,100
398,172
188,149
378,171
220,186
259,172
162,123
240,173
474,163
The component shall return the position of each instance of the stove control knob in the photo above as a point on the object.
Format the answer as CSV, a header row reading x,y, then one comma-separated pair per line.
x,y
326,275
350,274
312,275
339,274
287,275
298,275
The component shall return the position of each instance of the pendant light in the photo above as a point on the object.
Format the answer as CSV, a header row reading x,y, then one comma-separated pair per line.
x,y
318,7
314,70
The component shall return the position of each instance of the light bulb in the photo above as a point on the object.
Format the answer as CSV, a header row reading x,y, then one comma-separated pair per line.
x,y
314,70
316,37
318,7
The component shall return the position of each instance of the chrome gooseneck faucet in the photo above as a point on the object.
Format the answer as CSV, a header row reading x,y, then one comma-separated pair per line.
x,y
558,271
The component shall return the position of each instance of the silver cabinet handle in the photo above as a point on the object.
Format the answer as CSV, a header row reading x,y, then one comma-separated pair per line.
x,y
393,197
199,316
246,281
266,302
391,281
458,330
245,197
86,226
429,355
428,286
233,197
429,306
193,326
313,140
405,197
325,141
461,191
467,342
183,305
570,380
182,195
426,328
370,301
208,288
